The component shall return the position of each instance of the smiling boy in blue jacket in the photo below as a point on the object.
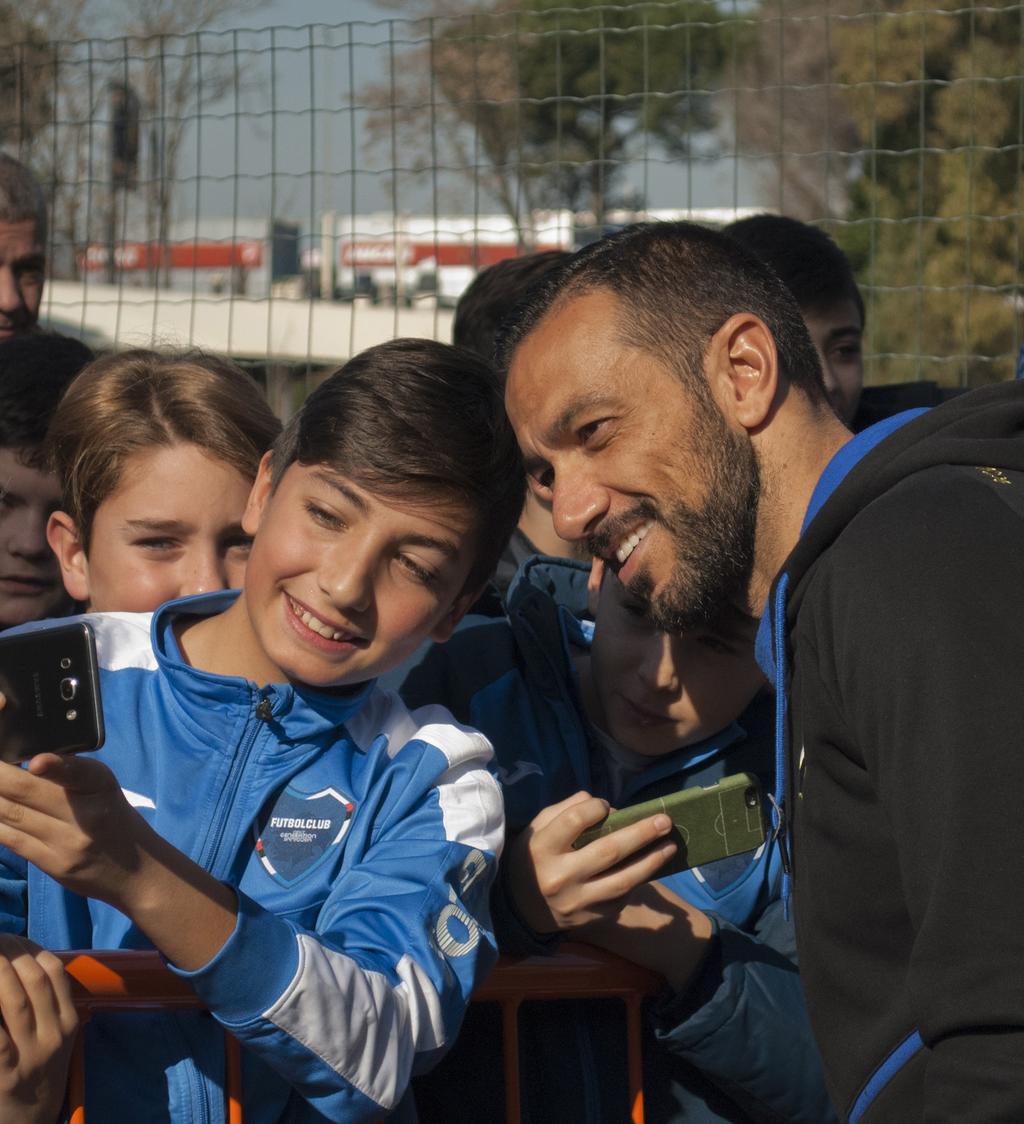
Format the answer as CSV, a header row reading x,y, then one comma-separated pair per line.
x,y
312,857
585,716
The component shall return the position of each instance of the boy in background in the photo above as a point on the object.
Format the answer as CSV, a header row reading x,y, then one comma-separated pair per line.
x,y
35,369
584,716
494,293
820,277
312,857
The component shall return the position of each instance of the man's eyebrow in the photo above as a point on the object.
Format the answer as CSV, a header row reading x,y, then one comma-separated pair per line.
x,y
32,260
339,485
579,405
533,464
846,330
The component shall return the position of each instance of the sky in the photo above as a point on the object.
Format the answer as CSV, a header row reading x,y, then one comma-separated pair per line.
x,y
260,150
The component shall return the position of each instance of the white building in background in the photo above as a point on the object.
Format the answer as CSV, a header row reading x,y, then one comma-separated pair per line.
x,y
400,257
250,290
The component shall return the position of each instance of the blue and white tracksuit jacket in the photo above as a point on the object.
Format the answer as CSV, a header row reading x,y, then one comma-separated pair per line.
x,y
736,1045
361,839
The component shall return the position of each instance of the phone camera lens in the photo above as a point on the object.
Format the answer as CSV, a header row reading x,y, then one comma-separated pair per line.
x,y
65,662
71,715
68,689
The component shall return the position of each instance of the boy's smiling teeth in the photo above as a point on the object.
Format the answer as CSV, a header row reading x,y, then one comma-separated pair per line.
x,y
628,545
314,624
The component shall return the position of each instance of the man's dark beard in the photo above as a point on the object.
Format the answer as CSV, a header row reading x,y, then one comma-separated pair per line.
x,y
714,545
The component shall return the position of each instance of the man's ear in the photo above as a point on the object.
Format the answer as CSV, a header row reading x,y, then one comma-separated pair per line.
x,y
743,368
460,606
65,542
260,492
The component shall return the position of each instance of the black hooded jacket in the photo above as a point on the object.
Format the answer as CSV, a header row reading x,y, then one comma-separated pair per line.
x,y
904,626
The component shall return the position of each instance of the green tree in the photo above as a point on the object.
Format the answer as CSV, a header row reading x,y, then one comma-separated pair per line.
x,y
546,105
937,97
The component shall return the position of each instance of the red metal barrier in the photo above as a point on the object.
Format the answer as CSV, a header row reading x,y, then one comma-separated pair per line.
x,y
578,971
133,981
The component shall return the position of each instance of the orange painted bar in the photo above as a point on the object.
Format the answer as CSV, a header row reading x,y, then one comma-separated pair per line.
x,y
125,980
121,980
233,1078
577,971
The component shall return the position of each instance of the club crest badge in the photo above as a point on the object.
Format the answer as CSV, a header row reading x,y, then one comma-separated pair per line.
x,y
300,832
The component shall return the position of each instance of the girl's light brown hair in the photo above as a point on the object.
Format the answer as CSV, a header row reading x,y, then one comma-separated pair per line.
x,y
131,401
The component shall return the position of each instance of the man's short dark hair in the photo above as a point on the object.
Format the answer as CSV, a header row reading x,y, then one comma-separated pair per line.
x,y
417,420
495,292
678,283
21,197
35,370
811,265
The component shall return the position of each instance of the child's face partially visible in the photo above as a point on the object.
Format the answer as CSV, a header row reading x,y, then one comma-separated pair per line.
x,y
836,332
172,527
30,585
343,584
654,693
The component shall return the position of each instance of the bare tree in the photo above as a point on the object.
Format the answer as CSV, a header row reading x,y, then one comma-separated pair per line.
x,y
787,105
547,105
175,77
46,113
69,56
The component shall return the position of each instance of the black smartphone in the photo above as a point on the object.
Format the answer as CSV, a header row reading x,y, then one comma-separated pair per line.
x,y
50,680
710,823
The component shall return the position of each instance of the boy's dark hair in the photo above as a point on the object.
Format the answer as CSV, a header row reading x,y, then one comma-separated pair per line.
x,y
495,292
678,283
811,265
415,419
35,370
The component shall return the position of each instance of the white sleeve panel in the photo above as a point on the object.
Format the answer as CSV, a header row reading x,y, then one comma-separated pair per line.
x,y
123,640
355,1021
469,797
472,807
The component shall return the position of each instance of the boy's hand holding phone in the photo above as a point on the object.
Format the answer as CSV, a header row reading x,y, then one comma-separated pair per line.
x,y
559,888
69,817
38,1029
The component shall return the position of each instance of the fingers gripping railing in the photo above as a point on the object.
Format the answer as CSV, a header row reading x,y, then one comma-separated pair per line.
x,y
133,981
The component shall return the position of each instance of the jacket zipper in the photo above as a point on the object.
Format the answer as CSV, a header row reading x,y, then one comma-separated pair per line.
x,y
209,856
263,711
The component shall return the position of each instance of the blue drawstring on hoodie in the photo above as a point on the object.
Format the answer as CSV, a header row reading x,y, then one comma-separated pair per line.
x,y
781,701
770,646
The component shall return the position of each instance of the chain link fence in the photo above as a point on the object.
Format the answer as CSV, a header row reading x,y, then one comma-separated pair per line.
x,y
292,194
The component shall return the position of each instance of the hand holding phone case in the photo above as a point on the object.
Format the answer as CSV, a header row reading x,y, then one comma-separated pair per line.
x,y
710,823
